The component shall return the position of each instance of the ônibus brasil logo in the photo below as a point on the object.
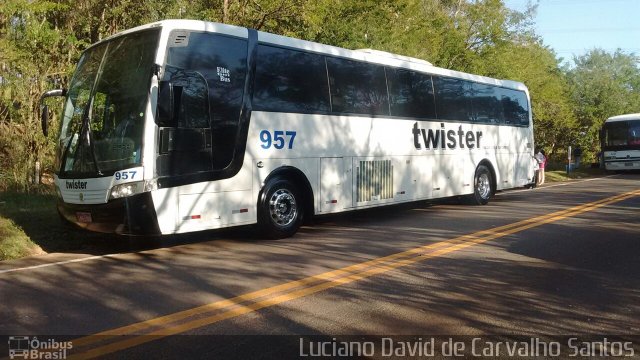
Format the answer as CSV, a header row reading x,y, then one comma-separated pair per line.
x,y
25,347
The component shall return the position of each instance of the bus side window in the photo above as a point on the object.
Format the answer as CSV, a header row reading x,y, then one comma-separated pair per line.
x,y
290,81
183,100
516,110
184,143
634,133
453,99
411,94
212,100
357,87
487,104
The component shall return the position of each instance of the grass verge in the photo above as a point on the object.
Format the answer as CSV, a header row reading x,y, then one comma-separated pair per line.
x,y
29,225
582,173
14,243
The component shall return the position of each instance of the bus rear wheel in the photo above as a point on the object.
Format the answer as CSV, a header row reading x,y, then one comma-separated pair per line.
x,y
482,186
280,210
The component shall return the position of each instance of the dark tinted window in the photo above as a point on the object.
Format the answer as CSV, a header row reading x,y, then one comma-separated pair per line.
x,y
222,61
357,87
634,132
487,104
190,87
410,94
290,81
516,109
622,133
616,133
453,98
201,63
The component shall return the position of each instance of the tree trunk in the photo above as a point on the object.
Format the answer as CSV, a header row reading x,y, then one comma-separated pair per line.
x,y
225,11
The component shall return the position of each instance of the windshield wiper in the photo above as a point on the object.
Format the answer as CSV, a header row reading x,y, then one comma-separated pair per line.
x,y
92,148
85,130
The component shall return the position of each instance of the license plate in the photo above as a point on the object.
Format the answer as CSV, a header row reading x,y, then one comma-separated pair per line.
x,y
628,164
83,217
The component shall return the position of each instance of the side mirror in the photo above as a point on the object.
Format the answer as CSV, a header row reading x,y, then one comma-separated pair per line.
x,y
44,117
44,120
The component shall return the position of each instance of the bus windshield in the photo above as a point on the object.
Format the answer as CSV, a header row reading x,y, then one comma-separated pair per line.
x,y
103,117
622,133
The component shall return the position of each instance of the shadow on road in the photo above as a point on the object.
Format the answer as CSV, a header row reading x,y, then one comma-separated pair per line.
x,y
521,283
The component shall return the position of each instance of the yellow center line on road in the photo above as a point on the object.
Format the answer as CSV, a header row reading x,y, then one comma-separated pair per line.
x,y
208,314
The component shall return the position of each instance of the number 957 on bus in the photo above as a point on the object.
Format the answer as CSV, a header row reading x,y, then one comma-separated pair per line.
x,y
279,139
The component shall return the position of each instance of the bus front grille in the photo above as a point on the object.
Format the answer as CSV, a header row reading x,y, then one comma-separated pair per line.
x,y
374,180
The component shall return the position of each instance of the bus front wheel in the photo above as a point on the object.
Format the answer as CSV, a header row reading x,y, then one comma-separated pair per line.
x,y
280,211
482,186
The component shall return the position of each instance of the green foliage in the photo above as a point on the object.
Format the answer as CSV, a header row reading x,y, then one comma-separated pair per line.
x,y
41,40
602,85
30,60
554,121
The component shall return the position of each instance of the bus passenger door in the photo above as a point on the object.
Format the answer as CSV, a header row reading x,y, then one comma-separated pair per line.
x,y
333,185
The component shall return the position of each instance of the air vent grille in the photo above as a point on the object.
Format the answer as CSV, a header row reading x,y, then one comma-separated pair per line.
x,y
179,39
374,180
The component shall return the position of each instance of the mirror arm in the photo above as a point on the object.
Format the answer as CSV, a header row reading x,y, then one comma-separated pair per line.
x,y
51,93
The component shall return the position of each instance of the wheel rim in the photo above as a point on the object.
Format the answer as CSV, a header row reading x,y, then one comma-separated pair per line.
x,y
282,207
483,185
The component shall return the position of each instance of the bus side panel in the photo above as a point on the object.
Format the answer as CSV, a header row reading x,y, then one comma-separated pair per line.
x,y
335,184
206,205
466,171
217,204
496,145
164,201
524,171
422,179
411,159
505,164
445,175
524,162
215,210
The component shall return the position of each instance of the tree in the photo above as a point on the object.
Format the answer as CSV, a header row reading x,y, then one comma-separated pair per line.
x,y
602,85
29,63
41,41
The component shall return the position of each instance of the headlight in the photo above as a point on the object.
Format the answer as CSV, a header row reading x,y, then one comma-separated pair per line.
x,y
127,189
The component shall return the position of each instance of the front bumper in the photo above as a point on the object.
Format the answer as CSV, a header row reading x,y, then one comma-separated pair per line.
x,y
132,215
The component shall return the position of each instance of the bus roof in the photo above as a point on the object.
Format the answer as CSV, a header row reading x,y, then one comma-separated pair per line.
x,y
625,117
368,55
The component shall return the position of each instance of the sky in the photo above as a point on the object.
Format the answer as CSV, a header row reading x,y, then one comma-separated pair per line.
x,y
573,27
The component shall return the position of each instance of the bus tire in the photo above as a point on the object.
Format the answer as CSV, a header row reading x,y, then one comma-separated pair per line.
x,y
280,209
482,186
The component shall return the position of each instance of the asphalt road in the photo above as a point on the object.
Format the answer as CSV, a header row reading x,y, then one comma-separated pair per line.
x,y
558,260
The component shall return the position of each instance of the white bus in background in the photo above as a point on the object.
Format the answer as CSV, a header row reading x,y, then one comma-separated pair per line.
x,y
621,142
184,125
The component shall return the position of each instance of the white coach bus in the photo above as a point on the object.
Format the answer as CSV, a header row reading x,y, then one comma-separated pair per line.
x,y
183,125
621,142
